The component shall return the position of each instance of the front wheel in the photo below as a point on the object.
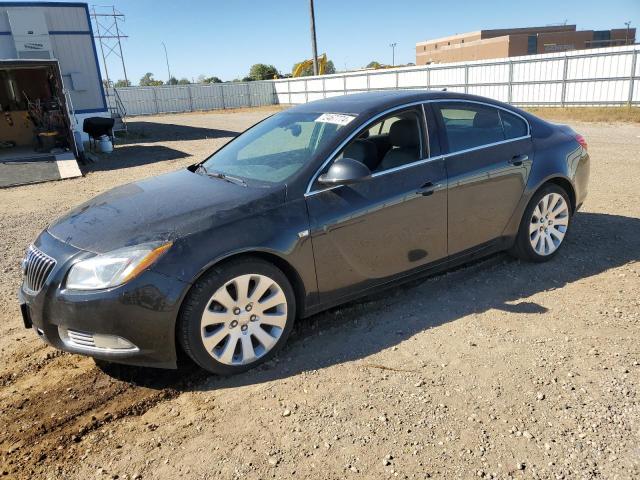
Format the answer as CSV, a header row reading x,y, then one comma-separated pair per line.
x,y
237,316
544,225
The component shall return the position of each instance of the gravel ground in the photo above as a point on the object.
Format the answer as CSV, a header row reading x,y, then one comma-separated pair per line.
x,y
501,369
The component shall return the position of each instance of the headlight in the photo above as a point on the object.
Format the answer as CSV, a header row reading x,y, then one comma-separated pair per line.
x,y
114,268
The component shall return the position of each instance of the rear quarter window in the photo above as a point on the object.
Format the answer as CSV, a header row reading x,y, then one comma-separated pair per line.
x,y
513,125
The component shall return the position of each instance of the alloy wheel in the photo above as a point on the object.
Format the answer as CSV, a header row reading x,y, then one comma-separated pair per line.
x,y
244,319
549,223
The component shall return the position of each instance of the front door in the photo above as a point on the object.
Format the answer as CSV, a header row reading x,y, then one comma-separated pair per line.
x,y
394,222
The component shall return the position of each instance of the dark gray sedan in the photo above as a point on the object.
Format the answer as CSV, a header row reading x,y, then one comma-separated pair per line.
x,y
310,208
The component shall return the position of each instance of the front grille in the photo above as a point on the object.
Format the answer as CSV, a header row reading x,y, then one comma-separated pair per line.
x,y
37,267
80,339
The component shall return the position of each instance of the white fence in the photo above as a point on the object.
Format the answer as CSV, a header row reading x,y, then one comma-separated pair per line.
x,y
190,98
605,76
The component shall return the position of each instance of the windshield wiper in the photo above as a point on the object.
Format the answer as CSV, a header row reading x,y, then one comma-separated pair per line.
x,y
220,175
224,176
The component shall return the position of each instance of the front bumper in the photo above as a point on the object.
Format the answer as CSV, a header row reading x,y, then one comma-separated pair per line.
x,y
142,313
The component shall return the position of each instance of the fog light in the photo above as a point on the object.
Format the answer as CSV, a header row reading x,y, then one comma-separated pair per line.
x,y
112,342
95,341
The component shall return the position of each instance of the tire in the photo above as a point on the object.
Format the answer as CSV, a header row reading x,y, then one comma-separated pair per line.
x,y
226,331
544,225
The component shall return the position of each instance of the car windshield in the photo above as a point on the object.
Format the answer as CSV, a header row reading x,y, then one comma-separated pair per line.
x,y
275,149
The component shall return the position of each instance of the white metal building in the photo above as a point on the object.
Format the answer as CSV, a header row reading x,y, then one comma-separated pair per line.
x,y
62,31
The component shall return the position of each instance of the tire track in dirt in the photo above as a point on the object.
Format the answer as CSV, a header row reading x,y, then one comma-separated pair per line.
x,y
50,421
10,377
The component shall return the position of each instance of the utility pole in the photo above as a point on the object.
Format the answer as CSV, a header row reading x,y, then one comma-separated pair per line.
x,y
626,37
393,53
314,46
166,57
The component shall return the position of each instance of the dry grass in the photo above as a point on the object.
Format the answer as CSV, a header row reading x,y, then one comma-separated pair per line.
x,y
588,114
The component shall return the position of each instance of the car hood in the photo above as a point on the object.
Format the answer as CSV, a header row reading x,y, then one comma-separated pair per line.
x,y
162,208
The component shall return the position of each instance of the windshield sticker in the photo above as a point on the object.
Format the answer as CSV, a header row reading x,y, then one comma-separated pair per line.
x,y
337,118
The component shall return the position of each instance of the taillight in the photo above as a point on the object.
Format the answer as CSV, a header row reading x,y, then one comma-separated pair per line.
x,y
580,139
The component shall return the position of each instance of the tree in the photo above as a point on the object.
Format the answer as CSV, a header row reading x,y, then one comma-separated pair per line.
x,y
374,64
184,81
204,79
122,83
329,68
148,81
261,71
172,81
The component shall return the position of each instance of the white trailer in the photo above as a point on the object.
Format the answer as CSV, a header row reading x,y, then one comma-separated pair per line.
x,y
48,64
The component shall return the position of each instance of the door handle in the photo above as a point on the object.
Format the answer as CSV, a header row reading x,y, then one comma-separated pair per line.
x,y
517,160
427,189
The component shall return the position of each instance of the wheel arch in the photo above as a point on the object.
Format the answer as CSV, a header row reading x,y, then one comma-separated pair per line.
x,y
511,230
289,271
563,183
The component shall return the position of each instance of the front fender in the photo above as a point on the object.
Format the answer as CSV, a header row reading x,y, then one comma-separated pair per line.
x,y
278,232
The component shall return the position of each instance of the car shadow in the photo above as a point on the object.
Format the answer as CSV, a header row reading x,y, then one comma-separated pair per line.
x,y
151,132
354,331
128,156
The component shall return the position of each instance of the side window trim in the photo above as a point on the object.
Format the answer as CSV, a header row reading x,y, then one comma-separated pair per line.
x,y
425,147
434,144
443,135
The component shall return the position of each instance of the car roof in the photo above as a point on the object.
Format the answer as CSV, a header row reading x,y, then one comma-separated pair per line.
x,y
371,103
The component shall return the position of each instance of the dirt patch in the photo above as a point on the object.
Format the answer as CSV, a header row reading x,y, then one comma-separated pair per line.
x,y
500,369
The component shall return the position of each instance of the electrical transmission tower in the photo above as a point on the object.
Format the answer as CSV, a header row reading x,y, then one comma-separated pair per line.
x,y
107,33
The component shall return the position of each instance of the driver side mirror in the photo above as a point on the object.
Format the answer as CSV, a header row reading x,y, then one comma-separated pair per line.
x,y
345,172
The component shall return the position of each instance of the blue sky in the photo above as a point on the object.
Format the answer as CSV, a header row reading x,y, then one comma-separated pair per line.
x,y
225,37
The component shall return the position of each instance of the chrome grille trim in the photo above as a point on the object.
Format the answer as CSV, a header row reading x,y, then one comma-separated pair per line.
x,y
37,267
81,339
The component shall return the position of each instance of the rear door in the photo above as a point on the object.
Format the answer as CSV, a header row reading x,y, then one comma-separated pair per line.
x,y
488,155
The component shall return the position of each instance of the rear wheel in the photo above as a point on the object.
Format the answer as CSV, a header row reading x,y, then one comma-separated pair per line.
x,y
237,316
544,225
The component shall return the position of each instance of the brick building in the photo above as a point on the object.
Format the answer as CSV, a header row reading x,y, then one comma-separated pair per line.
x,y
513,42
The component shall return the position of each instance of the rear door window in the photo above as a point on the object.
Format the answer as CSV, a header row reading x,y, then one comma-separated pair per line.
x,y
469,125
